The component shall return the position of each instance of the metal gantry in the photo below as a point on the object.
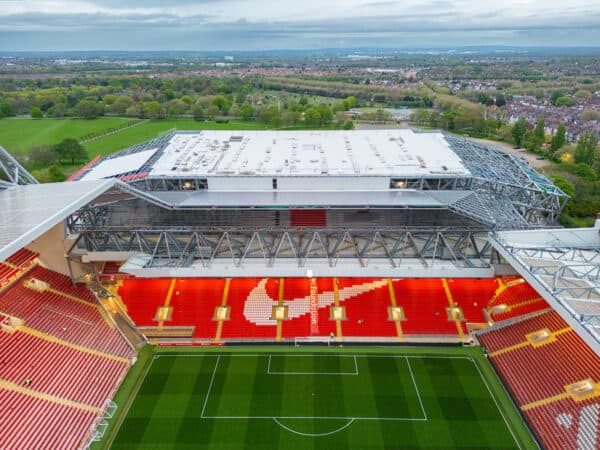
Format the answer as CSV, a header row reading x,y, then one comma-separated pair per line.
x,y
566,274
181,248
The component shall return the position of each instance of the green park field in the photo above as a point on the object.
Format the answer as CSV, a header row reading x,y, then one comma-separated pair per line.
x,y
19,135
315,398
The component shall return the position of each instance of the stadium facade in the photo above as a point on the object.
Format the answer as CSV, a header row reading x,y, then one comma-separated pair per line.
x,y
276,203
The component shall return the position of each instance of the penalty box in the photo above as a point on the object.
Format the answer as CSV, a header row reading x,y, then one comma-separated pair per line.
x,y
313,387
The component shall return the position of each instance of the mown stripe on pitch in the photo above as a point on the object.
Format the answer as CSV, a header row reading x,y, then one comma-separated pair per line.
x,y
333,390
266,393
384,373
487,421
193,430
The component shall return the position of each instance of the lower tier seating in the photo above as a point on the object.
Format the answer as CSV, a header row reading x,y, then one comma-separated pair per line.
x,y
15,265
553,376
58,370
28,422
60,362
74,320
567,424
250,304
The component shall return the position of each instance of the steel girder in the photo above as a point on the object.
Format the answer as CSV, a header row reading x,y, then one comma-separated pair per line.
x,y
571,274
12,172
180,248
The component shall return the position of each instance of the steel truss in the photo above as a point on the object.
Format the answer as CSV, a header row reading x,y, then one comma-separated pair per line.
x,y
533,197
11,172
571,274
181,248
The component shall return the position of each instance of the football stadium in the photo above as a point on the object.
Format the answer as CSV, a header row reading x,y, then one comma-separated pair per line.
x,y
297,289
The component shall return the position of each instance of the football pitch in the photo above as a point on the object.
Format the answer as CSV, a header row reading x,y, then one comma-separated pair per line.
x,y
319,399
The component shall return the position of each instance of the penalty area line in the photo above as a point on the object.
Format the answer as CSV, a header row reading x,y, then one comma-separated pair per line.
x,y
416,388
212,380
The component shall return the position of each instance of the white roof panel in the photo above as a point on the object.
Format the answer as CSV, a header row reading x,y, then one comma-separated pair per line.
x,y
117,166
394,152
27,212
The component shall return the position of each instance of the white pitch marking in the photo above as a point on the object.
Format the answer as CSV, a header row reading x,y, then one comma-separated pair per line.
x,y
416,388
210,386
312,434
495,401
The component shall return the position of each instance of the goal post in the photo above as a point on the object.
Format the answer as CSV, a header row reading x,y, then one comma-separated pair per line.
x,y
316,340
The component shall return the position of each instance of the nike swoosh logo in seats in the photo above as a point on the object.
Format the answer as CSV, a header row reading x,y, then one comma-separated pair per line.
x,y
258,305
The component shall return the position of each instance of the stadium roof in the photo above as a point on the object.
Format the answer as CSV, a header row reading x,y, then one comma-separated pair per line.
x,y
29,211
291,153
197,169
564,267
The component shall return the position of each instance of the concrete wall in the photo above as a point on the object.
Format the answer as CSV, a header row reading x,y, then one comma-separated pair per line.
x,y
52,247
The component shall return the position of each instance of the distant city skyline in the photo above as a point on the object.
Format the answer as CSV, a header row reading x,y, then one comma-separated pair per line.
x,y
61,25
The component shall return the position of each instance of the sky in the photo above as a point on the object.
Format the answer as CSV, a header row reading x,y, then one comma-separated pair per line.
x,y
204,25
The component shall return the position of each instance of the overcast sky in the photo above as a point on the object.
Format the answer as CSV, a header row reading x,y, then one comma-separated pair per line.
x,y
281,24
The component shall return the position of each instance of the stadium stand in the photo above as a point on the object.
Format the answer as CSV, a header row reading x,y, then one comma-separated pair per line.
x,y
15,266
29,422
552,375
60,361
249,306
514,297
59,370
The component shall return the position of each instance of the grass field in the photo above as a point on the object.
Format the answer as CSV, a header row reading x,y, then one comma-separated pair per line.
x,y
19,135
363,398
150,130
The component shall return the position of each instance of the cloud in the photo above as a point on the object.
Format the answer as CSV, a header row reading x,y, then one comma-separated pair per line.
x,y
256,24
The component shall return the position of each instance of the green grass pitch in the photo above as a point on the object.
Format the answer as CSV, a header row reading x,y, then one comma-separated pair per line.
x,y
316,398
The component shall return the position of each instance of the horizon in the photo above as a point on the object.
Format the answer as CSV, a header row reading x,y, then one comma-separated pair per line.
x,y
189,25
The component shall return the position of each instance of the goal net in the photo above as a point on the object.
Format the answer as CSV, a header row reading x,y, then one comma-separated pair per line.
x,y
316,340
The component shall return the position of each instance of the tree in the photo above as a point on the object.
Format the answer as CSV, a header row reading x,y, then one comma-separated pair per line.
x,y
88,109
153,110
303,101
58,110
6,110
586,148
564,101
590,114
518,131
326,114
349,103
312,116
56,174
555,96
213,110
246,111
36,113
42,156
567,187
221,102
348,125
198,111
70,148
500,100
540,131
120,105
559,139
